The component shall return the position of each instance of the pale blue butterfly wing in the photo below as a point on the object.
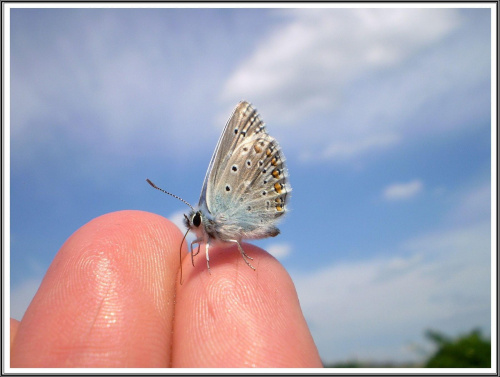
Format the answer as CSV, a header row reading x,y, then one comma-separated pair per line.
x,y
246,188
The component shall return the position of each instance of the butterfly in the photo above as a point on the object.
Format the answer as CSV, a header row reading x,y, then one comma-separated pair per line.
x,y
246,188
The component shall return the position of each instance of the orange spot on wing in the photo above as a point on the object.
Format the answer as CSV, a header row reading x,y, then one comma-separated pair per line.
x,y
278,187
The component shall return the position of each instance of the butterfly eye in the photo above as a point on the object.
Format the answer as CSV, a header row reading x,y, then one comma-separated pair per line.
x,y
197,219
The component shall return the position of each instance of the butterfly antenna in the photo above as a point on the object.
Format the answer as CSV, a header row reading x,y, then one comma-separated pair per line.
x,y
180,252
166,192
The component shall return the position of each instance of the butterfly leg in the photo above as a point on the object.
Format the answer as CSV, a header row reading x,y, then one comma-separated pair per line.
x,y
243,254
208,259
197,241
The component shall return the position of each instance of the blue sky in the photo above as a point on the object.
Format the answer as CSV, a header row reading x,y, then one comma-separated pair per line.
x,y
383,115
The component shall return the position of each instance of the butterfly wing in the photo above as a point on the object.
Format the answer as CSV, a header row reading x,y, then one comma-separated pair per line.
x,y
246,186
223,148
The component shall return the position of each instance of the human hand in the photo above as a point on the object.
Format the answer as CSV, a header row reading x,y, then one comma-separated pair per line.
x,y
111,298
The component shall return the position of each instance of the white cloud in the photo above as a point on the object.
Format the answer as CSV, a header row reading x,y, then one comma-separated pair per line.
x,y
350,81
472,206
376,309
402,191
279,250
109,80
178,219
348,149
334,72
311,58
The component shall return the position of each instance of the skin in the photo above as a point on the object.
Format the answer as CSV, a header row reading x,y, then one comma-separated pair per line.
x,y
112,298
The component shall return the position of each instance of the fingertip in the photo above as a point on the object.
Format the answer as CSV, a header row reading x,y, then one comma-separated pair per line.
x,y
238,317
109,288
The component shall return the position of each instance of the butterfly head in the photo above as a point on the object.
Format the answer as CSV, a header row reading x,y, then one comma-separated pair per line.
x,y
193,220
199,221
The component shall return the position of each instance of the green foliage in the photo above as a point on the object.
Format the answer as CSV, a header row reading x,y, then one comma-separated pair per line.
x,y
466,351
370,364
345,364
470,350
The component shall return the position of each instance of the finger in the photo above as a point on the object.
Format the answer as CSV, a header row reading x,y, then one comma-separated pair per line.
x,y
238,317
107,298
14,324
